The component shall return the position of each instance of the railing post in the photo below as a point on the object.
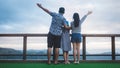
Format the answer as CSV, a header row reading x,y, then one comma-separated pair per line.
x,y
84,48
113,47
24,47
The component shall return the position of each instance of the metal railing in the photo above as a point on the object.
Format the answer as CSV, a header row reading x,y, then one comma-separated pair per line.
x,y
25,36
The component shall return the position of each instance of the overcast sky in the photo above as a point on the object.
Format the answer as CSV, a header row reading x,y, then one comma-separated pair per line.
x,y
23,16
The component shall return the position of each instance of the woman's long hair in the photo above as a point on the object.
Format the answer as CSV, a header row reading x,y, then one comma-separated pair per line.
x,y
76,19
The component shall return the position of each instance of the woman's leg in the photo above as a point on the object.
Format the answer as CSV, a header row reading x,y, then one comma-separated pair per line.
x,y
74,51
78,51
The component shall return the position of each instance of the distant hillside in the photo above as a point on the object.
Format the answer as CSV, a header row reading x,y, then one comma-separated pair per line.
x,y
9,51
13,51
37,52
42,52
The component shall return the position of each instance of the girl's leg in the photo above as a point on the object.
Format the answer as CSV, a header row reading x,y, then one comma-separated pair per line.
x,y
78,51
64,55
67,57
74,52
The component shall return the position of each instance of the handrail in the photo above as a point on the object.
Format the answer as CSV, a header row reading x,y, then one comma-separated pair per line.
x,y
112,36
88,35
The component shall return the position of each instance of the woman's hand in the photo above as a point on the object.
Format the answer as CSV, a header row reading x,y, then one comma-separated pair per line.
x,y
89,12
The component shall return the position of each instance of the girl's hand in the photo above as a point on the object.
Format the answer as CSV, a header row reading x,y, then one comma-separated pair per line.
x,y
89,12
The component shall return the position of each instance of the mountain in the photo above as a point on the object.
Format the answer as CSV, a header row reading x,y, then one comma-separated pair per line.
x,y
13,51
44,52
9,51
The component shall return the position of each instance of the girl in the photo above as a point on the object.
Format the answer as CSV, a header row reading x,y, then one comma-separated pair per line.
x,y
76,34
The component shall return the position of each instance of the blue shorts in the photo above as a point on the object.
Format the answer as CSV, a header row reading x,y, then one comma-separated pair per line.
x,y
76,38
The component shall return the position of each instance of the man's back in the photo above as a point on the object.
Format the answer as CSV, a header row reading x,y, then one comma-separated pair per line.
x,y
57,23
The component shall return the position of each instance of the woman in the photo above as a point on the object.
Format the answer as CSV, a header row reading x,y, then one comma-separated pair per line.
x,y
65,42
76,34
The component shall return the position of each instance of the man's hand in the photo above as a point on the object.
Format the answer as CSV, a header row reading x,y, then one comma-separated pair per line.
x,y
39,5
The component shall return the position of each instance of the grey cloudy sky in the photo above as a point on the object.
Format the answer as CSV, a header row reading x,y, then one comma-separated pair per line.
x,y
23,16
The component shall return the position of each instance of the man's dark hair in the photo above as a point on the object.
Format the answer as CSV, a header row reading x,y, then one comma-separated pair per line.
x,y
61,10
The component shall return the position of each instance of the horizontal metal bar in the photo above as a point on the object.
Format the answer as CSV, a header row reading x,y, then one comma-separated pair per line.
x,y
15,35
59,55
11,54
101,35
88,35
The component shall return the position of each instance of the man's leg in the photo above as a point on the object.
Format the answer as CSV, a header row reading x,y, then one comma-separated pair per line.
x,y
56,55
49,55
57,42
49,42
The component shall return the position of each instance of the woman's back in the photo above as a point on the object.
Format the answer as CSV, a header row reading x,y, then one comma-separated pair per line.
x,y
78,28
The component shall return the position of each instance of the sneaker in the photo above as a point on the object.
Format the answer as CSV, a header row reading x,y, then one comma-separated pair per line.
x,y
65,62
68,62
49,62
56,62
76,62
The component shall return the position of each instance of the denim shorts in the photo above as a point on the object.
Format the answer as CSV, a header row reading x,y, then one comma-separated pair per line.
x,y
76,38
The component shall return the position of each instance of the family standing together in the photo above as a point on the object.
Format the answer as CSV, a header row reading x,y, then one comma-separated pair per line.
x,y
59,36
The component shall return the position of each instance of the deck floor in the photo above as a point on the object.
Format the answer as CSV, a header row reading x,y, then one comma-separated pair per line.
x,y
61,65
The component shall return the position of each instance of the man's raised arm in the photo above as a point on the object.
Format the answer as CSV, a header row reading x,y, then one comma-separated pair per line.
x,y
40,6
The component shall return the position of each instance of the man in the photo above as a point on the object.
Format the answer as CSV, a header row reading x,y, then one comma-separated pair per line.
x,y
55,32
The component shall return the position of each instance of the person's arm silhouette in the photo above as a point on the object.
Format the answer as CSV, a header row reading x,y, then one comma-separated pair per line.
x,y
40,6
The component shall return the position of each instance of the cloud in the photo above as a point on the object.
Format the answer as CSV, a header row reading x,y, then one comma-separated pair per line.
x,y
18,16
23,16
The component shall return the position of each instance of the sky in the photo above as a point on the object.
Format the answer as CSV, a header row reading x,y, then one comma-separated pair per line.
x,y
23,16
